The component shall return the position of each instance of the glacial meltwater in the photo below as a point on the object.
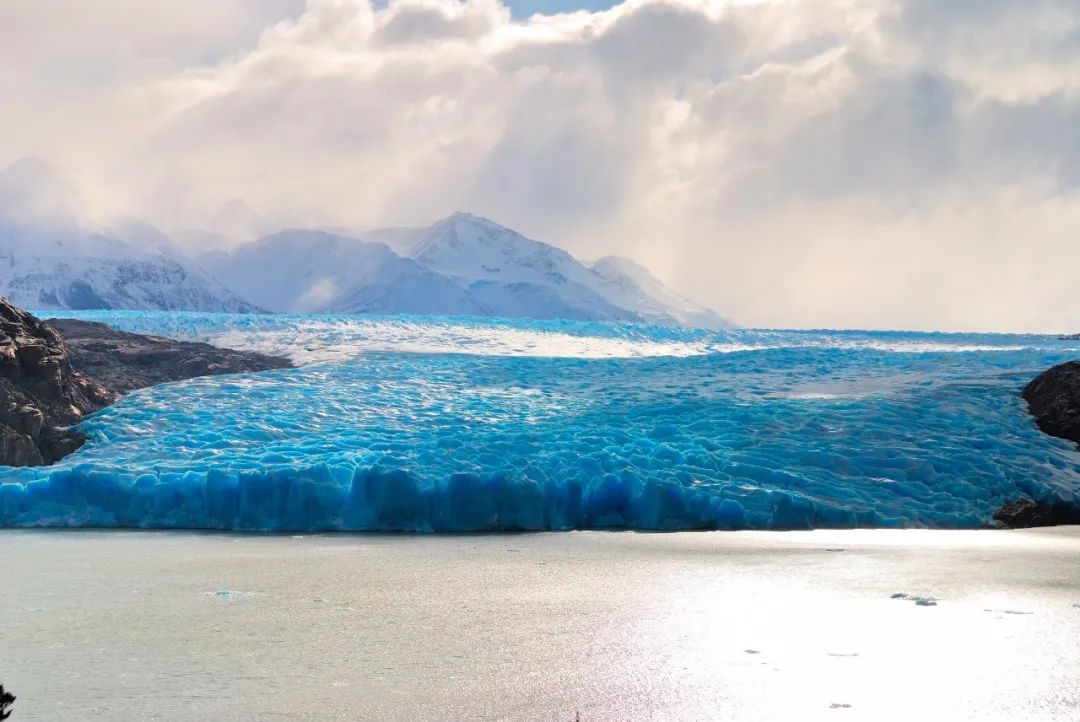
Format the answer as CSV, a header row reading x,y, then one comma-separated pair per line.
x,y
432,424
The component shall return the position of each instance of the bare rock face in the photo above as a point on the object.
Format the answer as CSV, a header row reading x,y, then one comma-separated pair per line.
x,y
53,374
1054,400
1026,514
40,393
128,361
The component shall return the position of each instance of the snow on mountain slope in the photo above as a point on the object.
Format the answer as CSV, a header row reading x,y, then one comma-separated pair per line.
x,y
47,267
309,271
530,300
49,260
634,287
461,265
512,275
522,277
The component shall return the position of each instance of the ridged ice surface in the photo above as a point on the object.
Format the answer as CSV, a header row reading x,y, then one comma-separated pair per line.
x,y
464,424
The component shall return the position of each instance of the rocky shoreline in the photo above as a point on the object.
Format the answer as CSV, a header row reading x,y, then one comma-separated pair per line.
x,y
53,373
41,394
125,362
1053,398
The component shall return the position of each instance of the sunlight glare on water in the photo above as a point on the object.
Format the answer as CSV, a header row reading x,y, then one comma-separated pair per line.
x,y
613,626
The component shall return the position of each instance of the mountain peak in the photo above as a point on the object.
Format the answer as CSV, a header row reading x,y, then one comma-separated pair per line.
x,y
635,285
620,262
461,233
464,218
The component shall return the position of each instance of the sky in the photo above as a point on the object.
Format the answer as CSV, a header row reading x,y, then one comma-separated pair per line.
x,y
791,163
526,8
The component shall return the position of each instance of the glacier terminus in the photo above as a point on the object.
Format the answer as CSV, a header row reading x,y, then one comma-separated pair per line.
x,y
414,423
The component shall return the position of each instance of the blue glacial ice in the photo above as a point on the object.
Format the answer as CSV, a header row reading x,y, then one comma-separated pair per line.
x,y
423,424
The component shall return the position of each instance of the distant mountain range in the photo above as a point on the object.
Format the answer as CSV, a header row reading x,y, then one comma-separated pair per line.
x,y
49,260
65,268
462,265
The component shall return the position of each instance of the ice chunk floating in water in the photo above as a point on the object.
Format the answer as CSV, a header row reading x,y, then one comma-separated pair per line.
x,y
550,425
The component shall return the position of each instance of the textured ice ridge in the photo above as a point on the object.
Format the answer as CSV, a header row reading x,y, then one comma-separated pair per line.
x,y
546,425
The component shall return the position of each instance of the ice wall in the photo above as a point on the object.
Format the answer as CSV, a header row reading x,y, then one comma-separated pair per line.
x,y
761,430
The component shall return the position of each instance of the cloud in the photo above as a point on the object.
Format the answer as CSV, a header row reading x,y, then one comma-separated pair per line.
x,y
407,23
896,163
33,191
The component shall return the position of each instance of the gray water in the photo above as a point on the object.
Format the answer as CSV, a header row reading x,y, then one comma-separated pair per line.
x,y
604,626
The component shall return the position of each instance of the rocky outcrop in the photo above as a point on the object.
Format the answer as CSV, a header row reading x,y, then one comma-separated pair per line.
x,y
40,393
53,374
1025,514
128,361
1054,400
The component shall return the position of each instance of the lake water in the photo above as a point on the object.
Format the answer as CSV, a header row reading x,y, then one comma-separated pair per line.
x,y
600,625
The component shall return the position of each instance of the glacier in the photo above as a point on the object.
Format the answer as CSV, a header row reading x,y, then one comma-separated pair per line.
x,y
441,424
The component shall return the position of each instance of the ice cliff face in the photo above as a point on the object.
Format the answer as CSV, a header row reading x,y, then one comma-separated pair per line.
x,y
459,424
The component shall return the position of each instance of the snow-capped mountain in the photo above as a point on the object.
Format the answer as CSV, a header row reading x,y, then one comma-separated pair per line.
x,y
510,274
49,268
462,265
49,259
523,277
314,271
52,257
634,287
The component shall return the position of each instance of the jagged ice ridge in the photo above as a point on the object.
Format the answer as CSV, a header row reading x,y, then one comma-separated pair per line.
x,y
499,425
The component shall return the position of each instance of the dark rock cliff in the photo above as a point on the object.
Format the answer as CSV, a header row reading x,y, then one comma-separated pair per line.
x,y
1054,400
53,374
40,393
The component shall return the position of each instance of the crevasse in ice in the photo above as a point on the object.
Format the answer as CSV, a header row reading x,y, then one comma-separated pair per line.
x,y
424,424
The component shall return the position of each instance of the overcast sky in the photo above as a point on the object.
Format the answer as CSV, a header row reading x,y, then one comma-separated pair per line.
x,y
816,163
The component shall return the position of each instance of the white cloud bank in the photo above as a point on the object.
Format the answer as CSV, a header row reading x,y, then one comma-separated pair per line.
x,y
867,163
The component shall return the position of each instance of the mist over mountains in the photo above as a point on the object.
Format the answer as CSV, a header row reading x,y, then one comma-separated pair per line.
x,y
53,257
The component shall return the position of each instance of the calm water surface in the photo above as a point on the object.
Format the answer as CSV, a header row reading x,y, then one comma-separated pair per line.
x,y
610,626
